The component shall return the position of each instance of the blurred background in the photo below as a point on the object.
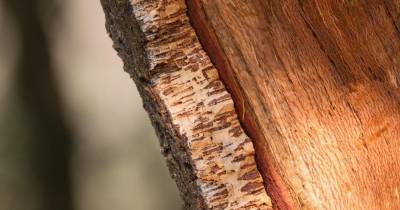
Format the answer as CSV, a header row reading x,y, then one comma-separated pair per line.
x,y
73,133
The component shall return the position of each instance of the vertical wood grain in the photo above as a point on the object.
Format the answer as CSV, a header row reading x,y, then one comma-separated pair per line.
x,y
316,82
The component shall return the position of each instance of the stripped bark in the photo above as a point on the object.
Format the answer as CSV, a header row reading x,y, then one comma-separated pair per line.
x,y
209,155
319,83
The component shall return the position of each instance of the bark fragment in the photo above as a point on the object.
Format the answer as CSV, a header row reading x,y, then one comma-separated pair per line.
x,y
209,155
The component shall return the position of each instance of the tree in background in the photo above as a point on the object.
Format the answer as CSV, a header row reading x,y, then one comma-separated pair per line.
x,y
45,151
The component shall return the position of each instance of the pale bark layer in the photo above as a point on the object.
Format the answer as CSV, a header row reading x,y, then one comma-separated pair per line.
x,y
209,155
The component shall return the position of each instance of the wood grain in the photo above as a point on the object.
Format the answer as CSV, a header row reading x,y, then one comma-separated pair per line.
x,y
316,83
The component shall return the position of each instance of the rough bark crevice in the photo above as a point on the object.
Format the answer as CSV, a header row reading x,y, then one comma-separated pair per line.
x,y
129,42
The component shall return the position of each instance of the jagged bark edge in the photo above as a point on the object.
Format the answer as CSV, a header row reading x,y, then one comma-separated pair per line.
x,y
197,191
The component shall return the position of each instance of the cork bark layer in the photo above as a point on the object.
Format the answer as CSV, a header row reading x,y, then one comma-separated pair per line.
x,y
208,153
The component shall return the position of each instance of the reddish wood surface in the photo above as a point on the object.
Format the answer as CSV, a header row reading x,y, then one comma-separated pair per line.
x,y
316,85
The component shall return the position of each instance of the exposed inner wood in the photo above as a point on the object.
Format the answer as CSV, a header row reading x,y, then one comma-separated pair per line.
x,y
316,83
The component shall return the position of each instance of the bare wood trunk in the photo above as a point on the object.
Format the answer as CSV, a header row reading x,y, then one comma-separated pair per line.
x,y
315,85
319,81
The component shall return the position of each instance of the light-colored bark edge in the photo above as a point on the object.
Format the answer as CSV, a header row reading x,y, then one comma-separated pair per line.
x,y
209,155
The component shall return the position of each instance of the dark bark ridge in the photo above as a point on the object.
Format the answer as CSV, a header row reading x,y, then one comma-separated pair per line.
x,y
129,43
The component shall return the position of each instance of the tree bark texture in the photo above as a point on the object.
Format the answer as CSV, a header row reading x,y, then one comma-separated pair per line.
x,y
209,155
315,85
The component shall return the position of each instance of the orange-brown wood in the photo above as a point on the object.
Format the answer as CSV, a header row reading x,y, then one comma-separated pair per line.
x,y
316,85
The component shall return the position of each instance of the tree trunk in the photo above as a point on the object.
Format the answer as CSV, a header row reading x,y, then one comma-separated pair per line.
x,y
45,152
314,84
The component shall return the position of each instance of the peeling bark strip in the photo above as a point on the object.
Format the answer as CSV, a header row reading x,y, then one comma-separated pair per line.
x,y
209,155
